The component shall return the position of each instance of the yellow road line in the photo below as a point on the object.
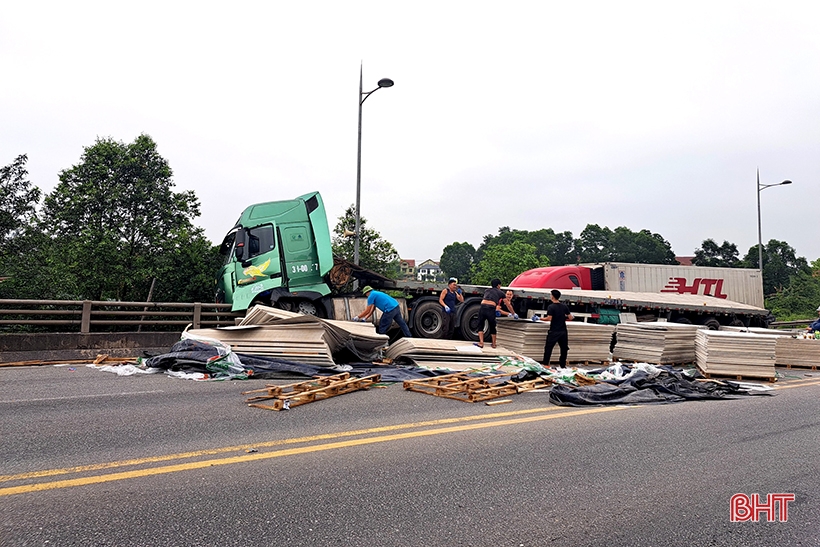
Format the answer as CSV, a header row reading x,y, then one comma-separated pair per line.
x,y
266,444
799,383
257,456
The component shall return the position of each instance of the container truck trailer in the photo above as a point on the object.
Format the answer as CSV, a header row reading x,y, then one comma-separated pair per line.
x,y
737,284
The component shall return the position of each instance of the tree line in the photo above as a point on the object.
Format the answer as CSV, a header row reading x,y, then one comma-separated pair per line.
x,y
114,228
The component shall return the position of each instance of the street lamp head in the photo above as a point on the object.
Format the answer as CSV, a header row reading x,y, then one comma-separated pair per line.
x,y
385,82
786,182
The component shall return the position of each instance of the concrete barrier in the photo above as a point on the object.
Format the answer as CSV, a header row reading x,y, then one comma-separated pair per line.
x,y
74,346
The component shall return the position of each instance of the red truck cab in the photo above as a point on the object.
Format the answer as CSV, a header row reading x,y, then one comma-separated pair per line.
x,y
554,277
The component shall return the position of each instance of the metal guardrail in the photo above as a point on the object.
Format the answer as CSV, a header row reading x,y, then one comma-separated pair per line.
x,y
801,323
90,315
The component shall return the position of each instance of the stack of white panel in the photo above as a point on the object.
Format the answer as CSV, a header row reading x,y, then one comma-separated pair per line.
x,y
797,352
447,354
298,342
744,354
337,334
657,343
588,342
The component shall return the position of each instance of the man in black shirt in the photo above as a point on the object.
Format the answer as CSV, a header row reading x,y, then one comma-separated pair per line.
x,y
557,314
486,312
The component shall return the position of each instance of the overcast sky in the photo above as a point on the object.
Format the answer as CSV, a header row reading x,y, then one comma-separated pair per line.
x,y
538,114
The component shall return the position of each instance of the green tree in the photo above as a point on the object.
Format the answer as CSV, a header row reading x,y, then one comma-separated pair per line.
x,y
558,248
598,244
506,236
723,256
115,220
643,247
456,261
797,301
18,202
593,244
375,252
506,261
177,280
780,263
37,268
815,268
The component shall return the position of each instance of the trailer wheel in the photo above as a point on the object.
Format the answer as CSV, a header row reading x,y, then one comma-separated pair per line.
x,y
428,320
683,321
469,322
711,324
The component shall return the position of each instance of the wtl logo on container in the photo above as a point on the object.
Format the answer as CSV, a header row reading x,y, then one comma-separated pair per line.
x,y
744,508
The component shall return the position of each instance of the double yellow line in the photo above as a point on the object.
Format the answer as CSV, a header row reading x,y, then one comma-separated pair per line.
x,y
376,435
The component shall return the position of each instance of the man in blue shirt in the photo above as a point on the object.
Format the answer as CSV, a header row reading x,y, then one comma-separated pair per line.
x,y
391,311
815,327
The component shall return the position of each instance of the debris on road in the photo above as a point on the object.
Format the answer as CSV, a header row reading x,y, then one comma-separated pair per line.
x,y
300,393
473,387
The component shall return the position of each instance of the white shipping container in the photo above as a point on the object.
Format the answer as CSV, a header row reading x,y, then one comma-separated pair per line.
x,y
737,284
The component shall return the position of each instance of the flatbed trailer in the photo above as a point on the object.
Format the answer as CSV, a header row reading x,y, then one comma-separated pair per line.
x,y
425,315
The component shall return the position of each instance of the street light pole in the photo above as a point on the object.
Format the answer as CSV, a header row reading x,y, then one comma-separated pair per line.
x,y
384,82
760,188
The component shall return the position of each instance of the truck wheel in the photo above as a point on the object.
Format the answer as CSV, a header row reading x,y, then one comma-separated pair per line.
x,y
428,320
306,307
683,321
469,322
711,324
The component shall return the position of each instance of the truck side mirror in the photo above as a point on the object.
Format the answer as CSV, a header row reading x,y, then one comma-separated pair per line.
x,y
239,245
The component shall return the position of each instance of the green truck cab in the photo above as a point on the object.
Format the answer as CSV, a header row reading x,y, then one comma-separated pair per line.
x,y
277,254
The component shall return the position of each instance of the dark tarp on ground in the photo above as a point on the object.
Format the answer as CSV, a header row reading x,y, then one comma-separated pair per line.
x,y
190,356
670,386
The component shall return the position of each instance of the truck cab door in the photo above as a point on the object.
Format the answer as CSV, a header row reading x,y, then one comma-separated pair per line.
x,y
301,260
226,278
258,259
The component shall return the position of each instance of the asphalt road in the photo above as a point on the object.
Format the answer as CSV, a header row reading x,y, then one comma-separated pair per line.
x,y
94,459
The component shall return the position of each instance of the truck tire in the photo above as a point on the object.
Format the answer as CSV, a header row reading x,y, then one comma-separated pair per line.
x,y
711,323
307,307
428,320
469,322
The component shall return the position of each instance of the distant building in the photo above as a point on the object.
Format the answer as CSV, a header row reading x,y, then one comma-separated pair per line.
x,y
685,260
429,270
407,269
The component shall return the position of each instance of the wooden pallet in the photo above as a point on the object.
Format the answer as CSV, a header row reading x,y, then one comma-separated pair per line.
x,y
738,377
805,367
585,363
471,389
321,387
678,365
